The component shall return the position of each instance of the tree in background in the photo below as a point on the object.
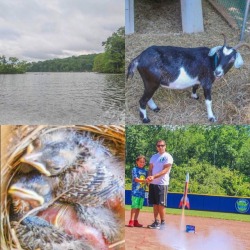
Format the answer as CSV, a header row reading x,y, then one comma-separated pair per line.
x,y
12,66
113,59
70,64
216,157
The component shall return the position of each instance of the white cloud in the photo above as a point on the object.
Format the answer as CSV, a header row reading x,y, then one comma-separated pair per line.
x,y
43,29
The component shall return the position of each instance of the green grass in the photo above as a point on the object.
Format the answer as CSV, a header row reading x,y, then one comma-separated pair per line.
x,y
206,214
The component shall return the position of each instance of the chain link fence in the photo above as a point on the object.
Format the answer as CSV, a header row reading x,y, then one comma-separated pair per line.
x,y
236,12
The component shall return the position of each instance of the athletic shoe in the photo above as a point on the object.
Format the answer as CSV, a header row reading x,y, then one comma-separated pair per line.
x,y
155,225
137,224
131,223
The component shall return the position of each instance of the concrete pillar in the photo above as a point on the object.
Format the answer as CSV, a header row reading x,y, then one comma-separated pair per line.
x,y
129,17
191,15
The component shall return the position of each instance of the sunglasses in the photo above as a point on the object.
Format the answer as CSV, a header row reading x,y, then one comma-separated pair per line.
x,y
160,146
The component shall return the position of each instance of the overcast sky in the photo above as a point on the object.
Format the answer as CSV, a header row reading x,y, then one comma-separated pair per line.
x,y
35,30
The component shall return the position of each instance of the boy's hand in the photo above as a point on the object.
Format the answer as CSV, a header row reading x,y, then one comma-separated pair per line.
x,y
150,178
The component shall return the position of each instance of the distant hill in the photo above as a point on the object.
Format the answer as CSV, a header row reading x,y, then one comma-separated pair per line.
x,y
69,64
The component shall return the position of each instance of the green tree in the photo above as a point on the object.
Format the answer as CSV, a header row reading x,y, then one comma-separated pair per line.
x,y
113,59
12,65
217,157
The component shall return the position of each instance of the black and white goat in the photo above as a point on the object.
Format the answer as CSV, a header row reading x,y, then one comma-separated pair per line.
x,y
180,68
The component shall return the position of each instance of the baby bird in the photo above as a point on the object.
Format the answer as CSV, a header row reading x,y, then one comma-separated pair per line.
x,y
36,233
83,170
78,172
34,190
55,152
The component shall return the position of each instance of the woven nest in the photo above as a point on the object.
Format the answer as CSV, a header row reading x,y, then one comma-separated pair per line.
x,y
14,147
159,23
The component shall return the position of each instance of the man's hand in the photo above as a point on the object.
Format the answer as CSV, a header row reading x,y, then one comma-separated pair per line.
x,y
150,178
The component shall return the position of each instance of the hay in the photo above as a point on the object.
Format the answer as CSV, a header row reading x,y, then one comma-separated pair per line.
x,y
14,144
159,23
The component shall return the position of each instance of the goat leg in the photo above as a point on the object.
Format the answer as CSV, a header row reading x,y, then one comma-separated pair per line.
x,y
208,101
194,94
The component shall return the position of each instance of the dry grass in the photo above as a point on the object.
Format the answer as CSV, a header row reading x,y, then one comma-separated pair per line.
x,y
159,23
15,144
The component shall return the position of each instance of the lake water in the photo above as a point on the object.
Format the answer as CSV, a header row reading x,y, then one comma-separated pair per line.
x,y
62,98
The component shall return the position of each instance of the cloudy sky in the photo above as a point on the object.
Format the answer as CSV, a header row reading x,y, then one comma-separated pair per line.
x,y
35,30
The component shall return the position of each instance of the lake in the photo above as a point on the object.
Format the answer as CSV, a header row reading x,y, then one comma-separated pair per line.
x,y
62,98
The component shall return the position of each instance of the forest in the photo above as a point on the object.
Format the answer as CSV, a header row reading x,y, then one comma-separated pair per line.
x,y
112,60
216,157
12,65
70,64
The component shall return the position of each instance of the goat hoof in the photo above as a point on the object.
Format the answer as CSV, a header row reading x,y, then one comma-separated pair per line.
x,y
156,110
195,96
212,119
145,120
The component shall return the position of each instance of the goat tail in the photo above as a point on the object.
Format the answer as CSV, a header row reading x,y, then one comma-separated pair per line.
x,y
132,67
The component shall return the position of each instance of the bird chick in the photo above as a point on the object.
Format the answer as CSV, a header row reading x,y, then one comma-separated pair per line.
x,y
59,150
28,191
32,191
36,233
65,216
82,166
36,190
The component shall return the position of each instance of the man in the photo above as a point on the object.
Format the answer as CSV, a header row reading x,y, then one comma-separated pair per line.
x,y
159,169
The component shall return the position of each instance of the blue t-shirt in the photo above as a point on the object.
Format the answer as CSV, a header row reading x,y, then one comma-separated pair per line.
x,y
138,188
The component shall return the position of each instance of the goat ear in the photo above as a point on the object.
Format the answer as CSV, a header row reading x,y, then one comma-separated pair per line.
x,y
214,50
238,61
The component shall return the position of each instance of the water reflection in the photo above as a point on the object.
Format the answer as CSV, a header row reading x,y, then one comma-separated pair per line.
x,y
62,98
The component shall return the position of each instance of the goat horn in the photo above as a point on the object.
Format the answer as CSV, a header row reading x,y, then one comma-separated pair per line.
x,y
240,45
225,39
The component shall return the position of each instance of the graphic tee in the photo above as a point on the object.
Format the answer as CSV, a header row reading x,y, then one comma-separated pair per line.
x,y
158,161
138,188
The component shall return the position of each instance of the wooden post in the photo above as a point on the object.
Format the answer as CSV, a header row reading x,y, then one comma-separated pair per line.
x,y
191,13
129,17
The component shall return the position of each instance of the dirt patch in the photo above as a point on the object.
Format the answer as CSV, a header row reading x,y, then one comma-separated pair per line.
x,y
159,23
210,234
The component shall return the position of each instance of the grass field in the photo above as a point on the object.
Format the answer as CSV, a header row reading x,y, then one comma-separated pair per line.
x,y
206,214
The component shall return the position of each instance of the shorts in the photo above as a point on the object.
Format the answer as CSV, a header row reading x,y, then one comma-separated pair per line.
x,y
158,194
137,202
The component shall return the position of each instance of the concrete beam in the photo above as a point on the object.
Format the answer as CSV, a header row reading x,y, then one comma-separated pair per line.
x,y
191,15
129,17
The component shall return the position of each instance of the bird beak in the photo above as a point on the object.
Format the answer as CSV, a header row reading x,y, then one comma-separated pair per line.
x,y
25,194
31,159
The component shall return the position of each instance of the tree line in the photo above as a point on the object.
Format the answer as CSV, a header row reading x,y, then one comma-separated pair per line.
x,y
71,64
111,61
216,157
12,65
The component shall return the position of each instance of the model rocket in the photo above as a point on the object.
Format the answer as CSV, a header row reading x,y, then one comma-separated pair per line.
x,y
184,200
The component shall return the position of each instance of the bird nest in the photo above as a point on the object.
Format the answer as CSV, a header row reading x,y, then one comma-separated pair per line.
x,y
14,146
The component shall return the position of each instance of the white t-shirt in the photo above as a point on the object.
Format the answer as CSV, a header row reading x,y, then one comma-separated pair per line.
x,y
158,161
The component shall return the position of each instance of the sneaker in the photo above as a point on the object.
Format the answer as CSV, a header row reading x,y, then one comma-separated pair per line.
x,y
137,224
131,223
155,225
